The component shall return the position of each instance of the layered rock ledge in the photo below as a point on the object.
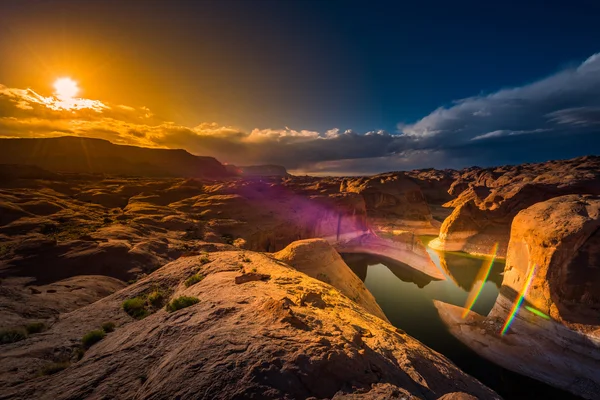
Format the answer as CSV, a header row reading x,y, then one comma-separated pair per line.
x,y
488,200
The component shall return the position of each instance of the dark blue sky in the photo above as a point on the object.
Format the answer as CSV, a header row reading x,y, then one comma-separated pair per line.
x,y
317,65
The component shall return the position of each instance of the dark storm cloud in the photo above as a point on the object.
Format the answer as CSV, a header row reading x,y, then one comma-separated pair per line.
x,y
556,117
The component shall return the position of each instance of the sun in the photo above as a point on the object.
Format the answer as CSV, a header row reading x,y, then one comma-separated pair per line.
x,y
66,88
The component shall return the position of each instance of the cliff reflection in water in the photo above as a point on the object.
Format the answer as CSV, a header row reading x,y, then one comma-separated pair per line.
x,y
406,297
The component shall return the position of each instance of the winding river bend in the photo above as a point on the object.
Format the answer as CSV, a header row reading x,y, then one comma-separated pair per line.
x,y
406,297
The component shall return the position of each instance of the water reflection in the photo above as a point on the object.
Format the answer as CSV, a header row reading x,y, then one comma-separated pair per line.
x,y
406,297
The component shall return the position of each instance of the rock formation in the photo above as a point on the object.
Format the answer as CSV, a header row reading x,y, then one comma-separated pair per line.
x,y
394,202
553,259
318,259
488,199
285,336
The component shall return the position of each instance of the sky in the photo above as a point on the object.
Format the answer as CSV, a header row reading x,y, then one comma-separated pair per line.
x,y
321,87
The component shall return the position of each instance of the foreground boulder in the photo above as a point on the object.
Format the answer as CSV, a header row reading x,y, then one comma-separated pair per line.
x,y
553,259
284,335
488,200
318,259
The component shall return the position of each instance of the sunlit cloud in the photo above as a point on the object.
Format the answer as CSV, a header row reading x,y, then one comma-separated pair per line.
x,y
497,128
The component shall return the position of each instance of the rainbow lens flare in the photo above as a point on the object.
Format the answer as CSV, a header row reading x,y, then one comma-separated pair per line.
x,y
518,301
537,312
480,280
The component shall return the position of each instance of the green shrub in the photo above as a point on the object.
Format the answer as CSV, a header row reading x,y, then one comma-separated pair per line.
x,y
181,302
92,337
136,307
156,298
108,327
35,327
54,368
204,260
192,280
12,335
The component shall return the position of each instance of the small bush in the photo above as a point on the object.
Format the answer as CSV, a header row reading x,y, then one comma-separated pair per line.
x,y
12,335
92,337
181,302
245,258
204,260
35,327
192,280
53,368
108,327
135,307
156,298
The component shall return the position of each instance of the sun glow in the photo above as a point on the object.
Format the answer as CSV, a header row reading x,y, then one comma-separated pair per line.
x,y
63,98
66,88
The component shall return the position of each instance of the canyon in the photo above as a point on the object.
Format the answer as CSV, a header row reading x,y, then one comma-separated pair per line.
x,y
277,312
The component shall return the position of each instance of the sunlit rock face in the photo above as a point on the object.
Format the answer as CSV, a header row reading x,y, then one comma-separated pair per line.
x,y
560,238
552,264
488,200
318,259
285,335
394,202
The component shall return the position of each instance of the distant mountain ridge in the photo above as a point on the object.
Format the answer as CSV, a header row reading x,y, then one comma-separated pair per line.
x,y
88,155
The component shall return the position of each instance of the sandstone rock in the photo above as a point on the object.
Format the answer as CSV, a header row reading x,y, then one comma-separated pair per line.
x,y
403,246
393,202
553,258
489,199
318,259
238,341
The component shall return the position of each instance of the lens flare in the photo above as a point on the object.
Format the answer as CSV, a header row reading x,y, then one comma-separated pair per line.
x,y
482,276
537,312
518,301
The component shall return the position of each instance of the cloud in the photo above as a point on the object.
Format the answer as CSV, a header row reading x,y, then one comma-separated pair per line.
x,y
555,117
570,97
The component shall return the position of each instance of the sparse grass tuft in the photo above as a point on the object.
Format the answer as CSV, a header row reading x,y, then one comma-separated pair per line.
x,y
108,327
181,302
192,280
12,335
245,258
204,259
35,327
53,368
136,307
92,337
